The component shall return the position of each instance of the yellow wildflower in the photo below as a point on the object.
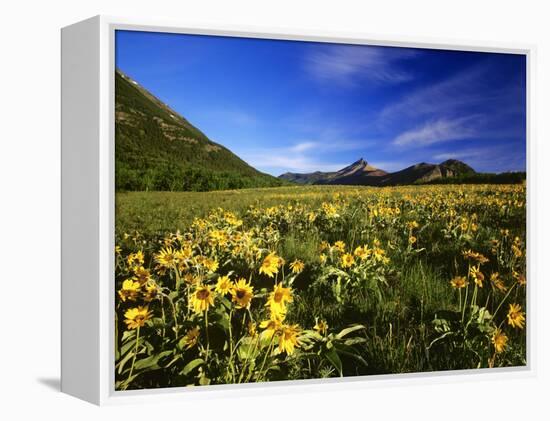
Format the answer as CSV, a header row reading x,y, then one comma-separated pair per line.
x,y
472,255
278,298
297,266
210,264
129,290
271,326
499,341
142,275
242,293
202,299
191,338
516,317
459,282
361,252
151,291
321,326
477,276
497,282
288,338
270,265
166,257
340,246
135,258
136,317
224,285
520,278
347,260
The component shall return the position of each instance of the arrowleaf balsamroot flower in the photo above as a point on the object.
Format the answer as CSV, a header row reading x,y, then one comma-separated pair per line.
x,y
271,326
242,293
210,264
166,257
224,285
477,276
270,265
321,326
278,298
288,338
362,252
499,340
202,298
459,282
151,291
497,282
142,275
516,317
191,337
340,246
136,258
347,260
297,266
474,256
129,290
136,317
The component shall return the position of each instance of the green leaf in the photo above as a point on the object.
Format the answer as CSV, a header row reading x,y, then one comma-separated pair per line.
x,y
247,349
349,330
349,351
150,363
226,303
355,341
190,366
204,381
332,356
124,361
128,334
127,346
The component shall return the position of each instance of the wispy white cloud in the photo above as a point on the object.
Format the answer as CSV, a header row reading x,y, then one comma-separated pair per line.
x,y
456,92
349,64
278,164
303,156
303,146
437,131
331,144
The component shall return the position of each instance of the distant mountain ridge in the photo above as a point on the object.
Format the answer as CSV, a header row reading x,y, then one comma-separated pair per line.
x,y
158,149
362,173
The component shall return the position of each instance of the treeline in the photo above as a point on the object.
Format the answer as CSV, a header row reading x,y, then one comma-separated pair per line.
x,y
483,178
169,177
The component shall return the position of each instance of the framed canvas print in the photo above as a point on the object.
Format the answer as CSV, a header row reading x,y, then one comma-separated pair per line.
x,y
245,211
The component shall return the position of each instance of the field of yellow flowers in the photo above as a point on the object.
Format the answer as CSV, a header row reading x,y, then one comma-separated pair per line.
x,y
314,282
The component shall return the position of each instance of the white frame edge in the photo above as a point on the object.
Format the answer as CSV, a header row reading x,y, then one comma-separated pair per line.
x,y
88,219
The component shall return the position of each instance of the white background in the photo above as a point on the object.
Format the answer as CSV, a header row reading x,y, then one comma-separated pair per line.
x,y
30,224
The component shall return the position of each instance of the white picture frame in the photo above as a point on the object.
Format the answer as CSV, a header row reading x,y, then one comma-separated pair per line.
x,y
87,358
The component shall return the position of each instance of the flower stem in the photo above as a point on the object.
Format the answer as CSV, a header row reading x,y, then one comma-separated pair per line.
x,y
269,350
231,365
207,335
133,358
504,299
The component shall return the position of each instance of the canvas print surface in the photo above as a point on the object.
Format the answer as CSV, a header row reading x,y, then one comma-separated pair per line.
x,y
292,210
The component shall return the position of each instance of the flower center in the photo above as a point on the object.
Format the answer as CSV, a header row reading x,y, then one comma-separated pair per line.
x,y
203,294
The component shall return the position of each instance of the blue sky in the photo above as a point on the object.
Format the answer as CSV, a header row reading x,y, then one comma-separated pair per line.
x,y
302,106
